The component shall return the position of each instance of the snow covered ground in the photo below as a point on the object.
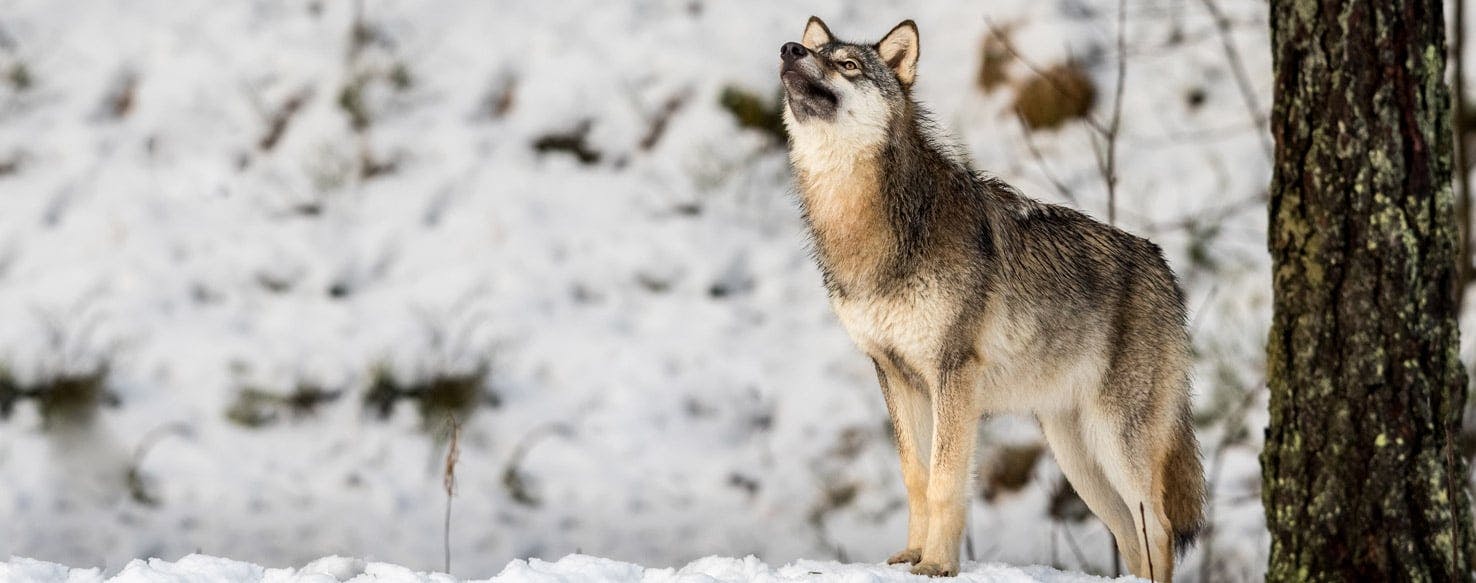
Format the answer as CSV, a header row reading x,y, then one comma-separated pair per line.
x,y
570,569
261,232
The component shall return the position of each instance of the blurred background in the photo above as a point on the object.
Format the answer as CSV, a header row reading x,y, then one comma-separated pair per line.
x,y
256,255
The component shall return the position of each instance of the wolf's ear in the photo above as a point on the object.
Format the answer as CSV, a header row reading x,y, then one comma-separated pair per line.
x,y
816,34
899,50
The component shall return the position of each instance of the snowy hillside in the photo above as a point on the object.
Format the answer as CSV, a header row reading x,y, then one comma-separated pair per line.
x,y
570,569
253,253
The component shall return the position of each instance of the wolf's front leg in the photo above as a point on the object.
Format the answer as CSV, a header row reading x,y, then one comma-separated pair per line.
x,y
955,430
912,425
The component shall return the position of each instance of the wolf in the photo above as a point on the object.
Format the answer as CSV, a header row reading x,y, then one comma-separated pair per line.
x,y
972,299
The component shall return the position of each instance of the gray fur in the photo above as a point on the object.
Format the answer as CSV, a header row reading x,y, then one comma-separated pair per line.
x,y
991,258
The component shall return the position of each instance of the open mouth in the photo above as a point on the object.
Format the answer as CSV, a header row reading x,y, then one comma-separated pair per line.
x,y
806,95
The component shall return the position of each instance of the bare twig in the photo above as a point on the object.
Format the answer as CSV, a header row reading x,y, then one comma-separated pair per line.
x,y
1055,562
661,118
1242,78
1147,548
512,478
1106,155
358,33
1039,71
969,532
136,482
1194,321
1101,129
277,125
1257,201
1081,561
453,452
1175,139
1045,170
1110,169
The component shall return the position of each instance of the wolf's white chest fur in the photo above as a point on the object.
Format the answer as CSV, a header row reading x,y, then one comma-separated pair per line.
x,y
916,326
910,325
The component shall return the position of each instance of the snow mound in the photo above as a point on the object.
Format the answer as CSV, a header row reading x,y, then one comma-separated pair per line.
x,y
570,569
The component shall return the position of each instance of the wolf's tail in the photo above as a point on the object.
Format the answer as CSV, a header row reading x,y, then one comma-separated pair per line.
x,y
1183,485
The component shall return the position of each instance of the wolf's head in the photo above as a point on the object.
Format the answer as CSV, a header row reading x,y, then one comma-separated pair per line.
x,y
842,95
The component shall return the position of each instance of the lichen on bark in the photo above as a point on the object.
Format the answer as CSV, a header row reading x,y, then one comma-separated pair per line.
x,y
1361,477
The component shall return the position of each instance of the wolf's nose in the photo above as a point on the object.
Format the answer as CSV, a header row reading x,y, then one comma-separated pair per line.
x,y
791,51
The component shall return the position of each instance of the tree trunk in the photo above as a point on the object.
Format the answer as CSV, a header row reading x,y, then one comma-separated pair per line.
x,y
1362,480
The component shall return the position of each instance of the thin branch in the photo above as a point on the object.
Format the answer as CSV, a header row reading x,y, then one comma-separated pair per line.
x,y
1178,138
453,453
1110,170
1099,155
1004,41
1169,139
1081,561
969,531
1147,548
1055,561
1061,187
1196,35
1242,78
1209,217
1194,322
277,124
137,484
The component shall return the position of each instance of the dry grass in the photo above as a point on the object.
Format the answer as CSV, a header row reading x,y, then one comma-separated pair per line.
x,y
995,61
519,485
1066,505
1057,95
119,100
1009,469
754,112
501,98
572,141
72,399
10,393
441,398
19,77
453,453
255,408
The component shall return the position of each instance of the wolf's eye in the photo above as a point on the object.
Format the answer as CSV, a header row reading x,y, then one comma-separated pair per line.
x,y
849,65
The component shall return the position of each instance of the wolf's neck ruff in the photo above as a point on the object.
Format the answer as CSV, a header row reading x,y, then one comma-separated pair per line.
x,y
843,207
869,194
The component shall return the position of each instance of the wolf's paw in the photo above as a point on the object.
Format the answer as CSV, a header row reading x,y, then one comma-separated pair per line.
x,y
909,556
935,569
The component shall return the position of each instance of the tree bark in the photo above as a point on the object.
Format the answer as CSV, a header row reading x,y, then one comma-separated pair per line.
x,y
1361,477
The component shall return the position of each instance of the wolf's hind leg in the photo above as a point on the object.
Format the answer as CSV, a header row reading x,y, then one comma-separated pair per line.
x,y
912,425
1063,433
1128,457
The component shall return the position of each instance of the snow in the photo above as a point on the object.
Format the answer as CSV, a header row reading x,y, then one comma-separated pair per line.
x,y
670,381
570,569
